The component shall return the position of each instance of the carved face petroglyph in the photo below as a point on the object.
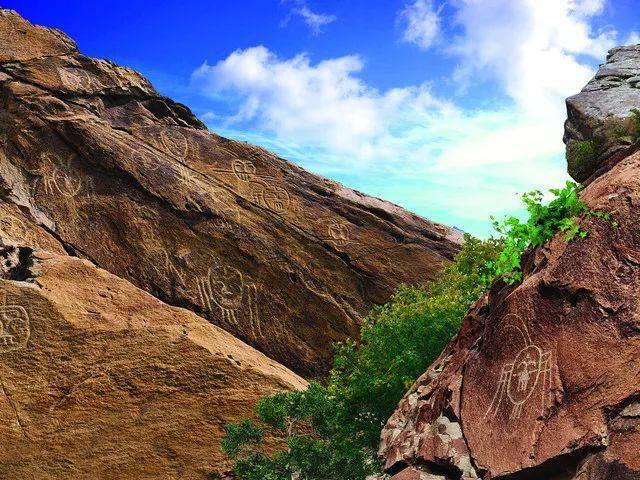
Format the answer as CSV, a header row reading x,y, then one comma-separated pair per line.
x,y
226,287
276,198
174,142
14,328
243,169
339,234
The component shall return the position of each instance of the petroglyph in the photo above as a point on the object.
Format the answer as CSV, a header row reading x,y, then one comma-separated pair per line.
x,y
149,160
76,79
273,197
14,326
173,269
226,289
184,174
174,142
528,372
243,169
54,180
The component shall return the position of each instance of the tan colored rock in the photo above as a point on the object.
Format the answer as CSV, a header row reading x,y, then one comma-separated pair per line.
x,y
100,380
285,260
543,379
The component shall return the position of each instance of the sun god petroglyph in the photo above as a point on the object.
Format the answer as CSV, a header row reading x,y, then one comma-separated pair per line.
x,y
528,372
227,289
54,180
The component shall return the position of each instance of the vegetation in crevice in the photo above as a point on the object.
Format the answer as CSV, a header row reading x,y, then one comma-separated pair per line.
x,y
331,430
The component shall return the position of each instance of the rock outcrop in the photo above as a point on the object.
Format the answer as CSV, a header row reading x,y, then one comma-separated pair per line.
x,y
285,260
99,379
600,121
543,379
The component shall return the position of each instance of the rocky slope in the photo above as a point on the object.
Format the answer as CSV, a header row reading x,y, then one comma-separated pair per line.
x,y
543,379
98,379
284,260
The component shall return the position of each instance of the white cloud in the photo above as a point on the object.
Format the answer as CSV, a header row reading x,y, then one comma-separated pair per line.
x,y
534,50
421,23
314,20
324,105
632,39
530,47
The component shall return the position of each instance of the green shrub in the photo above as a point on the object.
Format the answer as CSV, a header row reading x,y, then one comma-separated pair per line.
x,y
332,431
544,221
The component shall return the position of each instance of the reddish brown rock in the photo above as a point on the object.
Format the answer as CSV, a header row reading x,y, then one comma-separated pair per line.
x,y
543,380
287,261
98,379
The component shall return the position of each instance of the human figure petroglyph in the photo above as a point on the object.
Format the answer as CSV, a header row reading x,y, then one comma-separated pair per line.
x,y
227,289
55,180
14,326
529,371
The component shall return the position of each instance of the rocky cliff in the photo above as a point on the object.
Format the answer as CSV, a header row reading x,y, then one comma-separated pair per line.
x,y
102,167
99,379
543,379
600,126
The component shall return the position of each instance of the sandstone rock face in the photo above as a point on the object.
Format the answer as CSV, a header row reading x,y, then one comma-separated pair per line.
x,y
284,260
543,379
601,112
99,379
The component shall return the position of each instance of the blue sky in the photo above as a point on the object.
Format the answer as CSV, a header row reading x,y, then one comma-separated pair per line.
x,y
448,108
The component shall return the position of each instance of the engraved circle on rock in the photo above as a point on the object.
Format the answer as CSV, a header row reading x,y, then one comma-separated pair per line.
x,y
14,327
175,142
243,169
54,180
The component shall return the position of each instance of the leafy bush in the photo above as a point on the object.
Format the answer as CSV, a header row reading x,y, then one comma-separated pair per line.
x,y
332,431
545,220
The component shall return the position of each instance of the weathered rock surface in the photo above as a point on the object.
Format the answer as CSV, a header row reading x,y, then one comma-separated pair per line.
x,y
99,379
543,379
601,112
285,260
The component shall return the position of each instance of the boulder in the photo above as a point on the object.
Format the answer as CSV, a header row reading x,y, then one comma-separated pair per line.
x,y
285,260
543,379
599,119
99,379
